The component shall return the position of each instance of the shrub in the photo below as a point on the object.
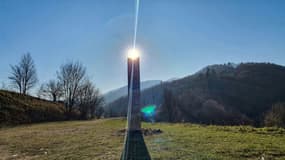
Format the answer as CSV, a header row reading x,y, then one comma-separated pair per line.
x,y
276,116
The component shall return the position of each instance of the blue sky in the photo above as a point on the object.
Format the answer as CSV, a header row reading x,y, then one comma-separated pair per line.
x,y
176,37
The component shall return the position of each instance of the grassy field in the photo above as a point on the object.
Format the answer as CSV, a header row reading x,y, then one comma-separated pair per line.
x,y
99,139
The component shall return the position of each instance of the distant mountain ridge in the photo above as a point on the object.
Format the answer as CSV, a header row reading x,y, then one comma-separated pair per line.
x,y
217,94
123,91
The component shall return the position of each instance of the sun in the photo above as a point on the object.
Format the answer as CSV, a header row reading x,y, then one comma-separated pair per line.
x,y
133,53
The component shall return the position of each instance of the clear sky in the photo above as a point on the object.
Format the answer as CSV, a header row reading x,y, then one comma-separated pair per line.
x,y
177,37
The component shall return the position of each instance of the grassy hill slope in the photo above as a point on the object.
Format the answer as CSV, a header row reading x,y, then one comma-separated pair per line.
x,y
99,140
17,109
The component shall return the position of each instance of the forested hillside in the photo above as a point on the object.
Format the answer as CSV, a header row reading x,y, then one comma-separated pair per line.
x,y
217,94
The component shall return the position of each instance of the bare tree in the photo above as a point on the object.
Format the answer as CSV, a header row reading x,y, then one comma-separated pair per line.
x,y
90,101
276,116
16,77
71,76
24,75
169,109
40,92
52,89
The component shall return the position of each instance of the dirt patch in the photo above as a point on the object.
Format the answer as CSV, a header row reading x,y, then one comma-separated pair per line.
x,y
145,131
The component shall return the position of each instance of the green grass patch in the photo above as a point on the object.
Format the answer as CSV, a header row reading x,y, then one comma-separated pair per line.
x,y
97,139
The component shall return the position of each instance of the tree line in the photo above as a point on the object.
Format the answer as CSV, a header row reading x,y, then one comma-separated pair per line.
x,y
71,87
212,112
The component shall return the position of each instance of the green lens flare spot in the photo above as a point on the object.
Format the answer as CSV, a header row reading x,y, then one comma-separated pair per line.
x,y
148,110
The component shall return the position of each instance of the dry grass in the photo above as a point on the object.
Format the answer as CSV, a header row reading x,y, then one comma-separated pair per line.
x,y
97,139
16,108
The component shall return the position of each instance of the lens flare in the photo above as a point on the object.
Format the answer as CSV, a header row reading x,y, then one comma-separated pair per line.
x,y
148,111
133,53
